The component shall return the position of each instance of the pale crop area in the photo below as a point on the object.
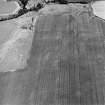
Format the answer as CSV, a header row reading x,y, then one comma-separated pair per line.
x,y
14,53
99,9
6,8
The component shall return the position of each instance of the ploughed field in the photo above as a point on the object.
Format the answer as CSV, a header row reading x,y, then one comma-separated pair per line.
x,y
65,64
